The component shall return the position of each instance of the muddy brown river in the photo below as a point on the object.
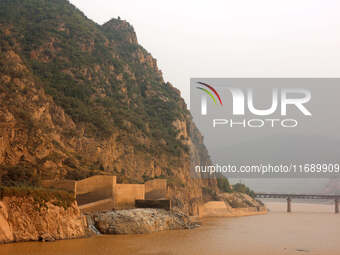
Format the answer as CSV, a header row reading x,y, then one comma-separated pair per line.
x,y
310,229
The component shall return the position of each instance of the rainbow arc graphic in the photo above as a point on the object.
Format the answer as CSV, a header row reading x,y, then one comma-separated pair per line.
x,y
208,89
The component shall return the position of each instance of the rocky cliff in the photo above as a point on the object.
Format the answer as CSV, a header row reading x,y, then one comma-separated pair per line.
x,y
78,99
22,219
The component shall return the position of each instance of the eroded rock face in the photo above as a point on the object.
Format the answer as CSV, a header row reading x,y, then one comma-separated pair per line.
x,y
140,221
21,219
6,234
111,114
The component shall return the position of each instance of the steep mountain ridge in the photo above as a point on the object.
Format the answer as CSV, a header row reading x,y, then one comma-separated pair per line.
x,y
78,99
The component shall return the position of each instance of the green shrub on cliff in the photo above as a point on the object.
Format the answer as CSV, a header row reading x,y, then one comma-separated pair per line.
x,y
209,193
93,72
240,187
223,184
20,175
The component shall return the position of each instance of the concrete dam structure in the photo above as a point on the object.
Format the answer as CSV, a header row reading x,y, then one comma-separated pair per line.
x,y
102,192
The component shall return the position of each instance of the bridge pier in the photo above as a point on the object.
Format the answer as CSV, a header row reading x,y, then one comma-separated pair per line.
x,y
289,205
336,205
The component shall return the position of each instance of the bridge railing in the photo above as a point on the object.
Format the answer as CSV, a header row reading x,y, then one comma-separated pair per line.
x,y
301,196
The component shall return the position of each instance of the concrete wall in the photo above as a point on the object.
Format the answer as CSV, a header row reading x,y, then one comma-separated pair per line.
x,y
95,188
156,189
104,190
126,194
98,206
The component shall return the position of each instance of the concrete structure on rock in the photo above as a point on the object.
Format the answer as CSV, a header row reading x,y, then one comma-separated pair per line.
x,y
101,192
156,189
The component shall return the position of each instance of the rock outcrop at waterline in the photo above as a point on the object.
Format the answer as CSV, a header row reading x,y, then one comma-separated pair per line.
x,y
33,218
23,219
141,221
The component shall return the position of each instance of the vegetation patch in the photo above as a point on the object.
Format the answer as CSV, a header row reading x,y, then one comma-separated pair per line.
x,y
223,184
240,187
210,193
40,195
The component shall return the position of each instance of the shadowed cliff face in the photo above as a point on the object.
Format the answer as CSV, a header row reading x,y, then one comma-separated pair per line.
x,y
78,99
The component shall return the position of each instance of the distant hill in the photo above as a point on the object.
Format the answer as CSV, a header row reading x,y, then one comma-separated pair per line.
x,y
78,99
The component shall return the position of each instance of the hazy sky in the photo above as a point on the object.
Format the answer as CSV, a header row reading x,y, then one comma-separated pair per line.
x,y
235,38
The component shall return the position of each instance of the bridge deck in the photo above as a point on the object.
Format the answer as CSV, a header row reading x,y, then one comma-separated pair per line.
x,y
300,196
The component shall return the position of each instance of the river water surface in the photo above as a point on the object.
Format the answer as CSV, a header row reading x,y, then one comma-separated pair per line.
x,y
309,229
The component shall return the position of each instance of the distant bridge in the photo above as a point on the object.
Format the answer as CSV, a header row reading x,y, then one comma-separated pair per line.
x,y
289,198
